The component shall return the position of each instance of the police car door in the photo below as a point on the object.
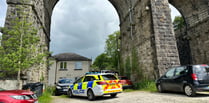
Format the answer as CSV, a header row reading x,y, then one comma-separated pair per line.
x,y
87,83
77,87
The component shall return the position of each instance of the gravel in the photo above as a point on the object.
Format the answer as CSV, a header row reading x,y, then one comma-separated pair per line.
x,y
138,97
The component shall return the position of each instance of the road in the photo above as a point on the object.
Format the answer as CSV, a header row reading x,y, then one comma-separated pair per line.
x,y
138,97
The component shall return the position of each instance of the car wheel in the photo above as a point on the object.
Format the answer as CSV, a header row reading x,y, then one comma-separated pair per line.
x,y
113,95
57,93
160,88
189,91
90,95
70,93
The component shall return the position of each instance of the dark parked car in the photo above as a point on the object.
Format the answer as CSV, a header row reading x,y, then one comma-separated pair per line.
x,y
62,86
188,79
126,83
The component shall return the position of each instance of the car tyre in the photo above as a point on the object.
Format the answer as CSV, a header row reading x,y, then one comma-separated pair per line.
x,y
113,95
70,93
90,95
160,88
189,91
56,93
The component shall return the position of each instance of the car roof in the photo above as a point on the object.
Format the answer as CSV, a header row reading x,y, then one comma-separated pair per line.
x,y
99,74
189,65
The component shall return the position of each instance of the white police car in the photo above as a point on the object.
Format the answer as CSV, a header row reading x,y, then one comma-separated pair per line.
x,y
93,85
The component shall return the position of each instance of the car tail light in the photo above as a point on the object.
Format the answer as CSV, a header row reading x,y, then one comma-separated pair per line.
x,y
120,82
129,82
102,83
204,65
194,76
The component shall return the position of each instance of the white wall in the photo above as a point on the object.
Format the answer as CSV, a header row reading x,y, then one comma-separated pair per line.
x,y
8,84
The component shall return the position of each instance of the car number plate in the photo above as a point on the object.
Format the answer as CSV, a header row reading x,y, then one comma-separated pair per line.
x,y
65,90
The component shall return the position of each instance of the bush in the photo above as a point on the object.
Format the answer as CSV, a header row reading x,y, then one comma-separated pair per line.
x,y
146,85
46,96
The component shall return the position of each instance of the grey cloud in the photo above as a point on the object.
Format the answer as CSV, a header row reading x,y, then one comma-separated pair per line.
x,y
81,26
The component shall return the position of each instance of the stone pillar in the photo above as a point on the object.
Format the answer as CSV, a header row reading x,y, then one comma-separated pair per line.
x,y
37,14
164,38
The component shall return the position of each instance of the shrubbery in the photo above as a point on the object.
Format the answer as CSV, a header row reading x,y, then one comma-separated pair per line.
x,y
46,96
146,85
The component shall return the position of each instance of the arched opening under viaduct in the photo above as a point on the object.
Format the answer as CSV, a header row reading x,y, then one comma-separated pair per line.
x,y
148,43
192,38
82,26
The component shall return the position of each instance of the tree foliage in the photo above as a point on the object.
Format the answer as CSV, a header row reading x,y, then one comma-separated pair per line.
x,y
101,62
21,48
178,22
109,59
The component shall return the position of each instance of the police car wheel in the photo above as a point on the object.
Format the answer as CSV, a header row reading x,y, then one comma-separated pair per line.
x,y
90,95
70,94
113,95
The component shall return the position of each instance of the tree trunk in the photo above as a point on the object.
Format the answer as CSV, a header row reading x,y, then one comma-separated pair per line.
x,y
18,80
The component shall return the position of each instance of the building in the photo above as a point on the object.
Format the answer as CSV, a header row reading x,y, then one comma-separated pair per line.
x,y
67,65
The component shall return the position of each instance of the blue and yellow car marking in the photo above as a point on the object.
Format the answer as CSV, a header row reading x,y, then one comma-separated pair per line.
x,y
111,86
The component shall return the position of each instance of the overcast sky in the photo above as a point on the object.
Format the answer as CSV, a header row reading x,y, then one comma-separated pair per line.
x,y
80,26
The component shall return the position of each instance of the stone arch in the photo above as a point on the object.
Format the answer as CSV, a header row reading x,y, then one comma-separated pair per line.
x,y
146,29
147,34
193,37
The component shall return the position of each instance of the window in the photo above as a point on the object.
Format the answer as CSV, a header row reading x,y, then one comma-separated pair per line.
x,y
78,65
63,65
109,77
89,78
170,73
179,71
79,80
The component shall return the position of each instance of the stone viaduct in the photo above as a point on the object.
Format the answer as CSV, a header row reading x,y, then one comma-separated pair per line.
x,y
148,42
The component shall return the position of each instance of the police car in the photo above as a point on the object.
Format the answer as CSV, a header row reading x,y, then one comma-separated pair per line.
x,y
93,85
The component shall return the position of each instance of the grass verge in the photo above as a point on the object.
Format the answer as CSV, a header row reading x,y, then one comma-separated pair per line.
x,y
145,85
46,96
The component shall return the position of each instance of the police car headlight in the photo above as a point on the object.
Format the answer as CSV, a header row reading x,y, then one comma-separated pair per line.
x,y
58,87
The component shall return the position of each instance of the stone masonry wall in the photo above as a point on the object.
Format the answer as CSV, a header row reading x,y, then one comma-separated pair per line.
x,y
195,35
36,73
146,29
136,36
165,42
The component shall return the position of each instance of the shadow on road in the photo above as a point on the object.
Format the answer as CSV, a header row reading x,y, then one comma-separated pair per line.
x,y
198,95
101,98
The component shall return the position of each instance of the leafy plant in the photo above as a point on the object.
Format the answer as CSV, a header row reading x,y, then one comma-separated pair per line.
x,y
46,96
146,85
21,46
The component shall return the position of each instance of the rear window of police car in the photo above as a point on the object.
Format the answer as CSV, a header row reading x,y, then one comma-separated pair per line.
x,y
109,77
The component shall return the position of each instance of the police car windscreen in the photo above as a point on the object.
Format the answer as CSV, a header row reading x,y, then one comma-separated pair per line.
x,y
109,77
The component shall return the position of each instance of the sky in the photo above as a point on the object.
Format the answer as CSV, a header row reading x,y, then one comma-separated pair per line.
x,y
80,27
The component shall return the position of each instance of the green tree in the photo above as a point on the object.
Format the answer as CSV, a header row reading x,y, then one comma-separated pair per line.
x,y
101,62
178,22
112,49
109,60
21,48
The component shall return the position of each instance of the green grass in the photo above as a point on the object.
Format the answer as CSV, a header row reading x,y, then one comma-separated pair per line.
x,y
46,96
64,96
146,85
128,90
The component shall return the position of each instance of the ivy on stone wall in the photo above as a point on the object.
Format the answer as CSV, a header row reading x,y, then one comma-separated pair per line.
x,y
136,67
128,67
